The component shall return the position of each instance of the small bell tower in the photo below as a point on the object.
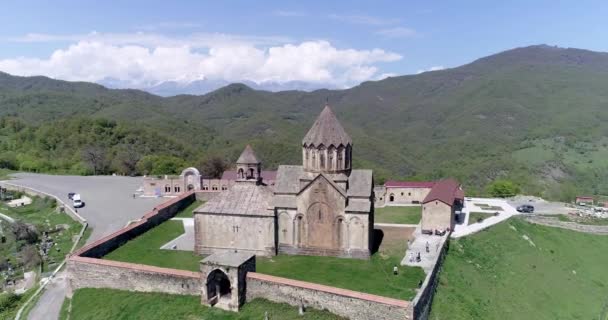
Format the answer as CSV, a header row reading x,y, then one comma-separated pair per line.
x,y
248,167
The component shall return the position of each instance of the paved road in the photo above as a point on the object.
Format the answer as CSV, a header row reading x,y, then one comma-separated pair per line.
x,y
109,205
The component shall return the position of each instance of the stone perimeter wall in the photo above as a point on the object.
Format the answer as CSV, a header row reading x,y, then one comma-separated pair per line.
x,y
351,304
424,299
158,215
87,270
96,273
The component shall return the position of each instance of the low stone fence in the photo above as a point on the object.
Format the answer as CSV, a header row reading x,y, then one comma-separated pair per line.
x,y
158,215
86,272
424,299
351,304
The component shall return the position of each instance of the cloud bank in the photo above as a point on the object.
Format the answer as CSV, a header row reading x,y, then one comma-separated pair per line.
x,y
148,59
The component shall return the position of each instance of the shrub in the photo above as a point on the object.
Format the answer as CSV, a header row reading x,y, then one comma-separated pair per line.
x,y
503,189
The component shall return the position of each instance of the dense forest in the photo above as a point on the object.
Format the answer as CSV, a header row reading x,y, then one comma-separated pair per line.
x,y
532,116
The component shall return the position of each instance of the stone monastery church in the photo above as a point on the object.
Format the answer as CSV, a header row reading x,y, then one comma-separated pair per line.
x,y
322,207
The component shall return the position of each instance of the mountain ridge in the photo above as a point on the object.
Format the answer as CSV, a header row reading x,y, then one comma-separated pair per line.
x,y
468,122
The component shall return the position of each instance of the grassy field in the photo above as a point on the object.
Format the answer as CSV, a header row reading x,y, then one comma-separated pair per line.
x,y
145,249
403,215
475,217
372,276
118,305
188,212
518,270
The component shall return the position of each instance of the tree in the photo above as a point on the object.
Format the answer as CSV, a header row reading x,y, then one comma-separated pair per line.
x,y
24,232
213,167
95,157
127,159
503,189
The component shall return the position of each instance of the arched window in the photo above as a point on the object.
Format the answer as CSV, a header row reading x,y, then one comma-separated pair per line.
x,y
314,159
340,158
251,172
167,188
176,188
322,160
214,187
224,187
330,157
205,187
241,174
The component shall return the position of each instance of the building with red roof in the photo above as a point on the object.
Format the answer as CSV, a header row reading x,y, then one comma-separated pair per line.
x,y
440,204
439,200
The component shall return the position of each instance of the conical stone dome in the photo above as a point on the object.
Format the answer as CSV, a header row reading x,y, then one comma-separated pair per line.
x,y
327,131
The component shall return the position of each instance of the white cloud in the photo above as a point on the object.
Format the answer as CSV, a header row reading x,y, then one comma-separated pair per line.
x,y
398,32
147,59
433,68
363,19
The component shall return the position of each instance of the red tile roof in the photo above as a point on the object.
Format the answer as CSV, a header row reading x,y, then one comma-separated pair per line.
x,y
409,184
445,191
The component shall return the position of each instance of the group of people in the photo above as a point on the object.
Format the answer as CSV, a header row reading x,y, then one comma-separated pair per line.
x,y
417,257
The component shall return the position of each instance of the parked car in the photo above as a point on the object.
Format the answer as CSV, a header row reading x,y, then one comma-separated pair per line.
x,y
77,201
525,208
71,195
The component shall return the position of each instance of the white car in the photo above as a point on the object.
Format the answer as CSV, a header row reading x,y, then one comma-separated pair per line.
x,y
77,201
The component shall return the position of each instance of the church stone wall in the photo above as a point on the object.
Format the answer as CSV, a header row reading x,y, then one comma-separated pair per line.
x,y
436,215
217,233
342,302
96,273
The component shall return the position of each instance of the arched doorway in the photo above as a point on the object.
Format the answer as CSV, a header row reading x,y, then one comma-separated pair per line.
x,y
218,287
190,187
391,198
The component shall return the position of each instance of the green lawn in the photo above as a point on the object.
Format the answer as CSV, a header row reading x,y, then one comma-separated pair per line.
x,y
373,276
475,217
402,215
188,212
498,274
119,305
145,249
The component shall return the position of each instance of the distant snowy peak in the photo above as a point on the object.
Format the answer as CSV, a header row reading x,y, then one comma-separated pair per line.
x,y
200,87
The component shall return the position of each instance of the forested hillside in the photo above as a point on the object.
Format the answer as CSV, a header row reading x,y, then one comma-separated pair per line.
x,y
533,115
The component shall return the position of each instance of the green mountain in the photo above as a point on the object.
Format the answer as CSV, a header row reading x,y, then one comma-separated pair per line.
x,y
534,115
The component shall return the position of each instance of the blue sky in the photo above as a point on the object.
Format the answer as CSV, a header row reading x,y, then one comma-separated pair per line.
x,y
339,43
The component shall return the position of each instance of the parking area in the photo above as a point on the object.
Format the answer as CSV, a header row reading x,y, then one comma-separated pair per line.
x,y
109,202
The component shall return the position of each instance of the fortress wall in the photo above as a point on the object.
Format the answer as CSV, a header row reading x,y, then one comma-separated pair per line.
x,y
424,299
351,304
158,215
96,273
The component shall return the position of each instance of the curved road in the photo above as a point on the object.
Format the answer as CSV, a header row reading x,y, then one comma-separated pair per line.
x,y
109,205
